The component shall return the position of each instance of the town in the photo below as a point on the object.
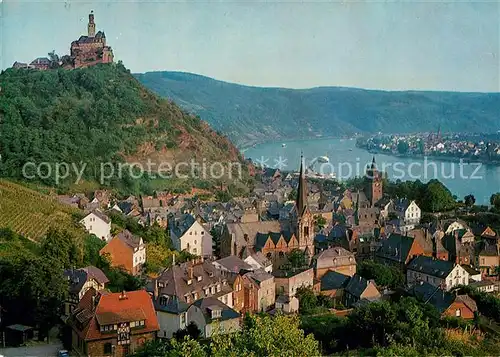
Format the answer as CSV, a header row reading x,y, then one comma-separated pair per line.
x,y
479,148
294,264
269,252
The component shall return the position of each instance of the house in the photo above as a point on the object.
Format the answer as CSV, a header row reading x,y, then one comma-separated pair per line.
x,y
358,288
287,304
112,324
81,280
488,260
264,292
212,316
489,235
335,259
189,235
474,275
126,251
439,273
179,286
232,264
448,304
398,250
258,261
452,226
287,282
333,284
408,212
99,224
486,286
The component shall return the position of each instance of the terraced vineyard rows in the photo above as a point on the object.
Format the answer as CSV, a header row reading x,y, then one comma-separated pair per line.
x,y
30,213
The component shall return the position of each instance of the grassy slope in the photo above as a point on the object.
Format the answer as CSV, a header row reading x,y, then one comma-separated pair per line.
x,y
31,214
246,113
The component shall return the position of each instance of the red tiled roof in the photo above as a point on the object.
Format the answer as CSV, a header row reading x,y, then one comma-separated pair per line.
x,y
112,309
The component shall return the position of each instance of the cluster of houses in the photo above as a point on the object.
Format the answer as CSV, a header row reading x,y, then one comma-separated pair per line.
x,y
250,268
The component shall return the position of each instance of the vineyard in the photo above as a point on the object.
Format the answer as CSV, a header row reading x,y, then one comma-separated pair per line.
x,y
31,214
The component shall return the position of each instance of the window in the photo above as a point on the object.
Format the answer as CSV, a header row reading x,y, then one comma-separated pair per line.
x,y
194,250
183,319
195,233
458,313
108,348
199,278
195,241
218,287
132,324
202,232
213,289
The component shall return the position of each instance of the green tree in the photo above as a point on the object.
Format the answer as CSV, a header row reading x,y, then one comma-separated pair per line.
x,y
403,147
437,198
32,290
383,275
297,259
469,200
319,222
495,200
308,301
61,246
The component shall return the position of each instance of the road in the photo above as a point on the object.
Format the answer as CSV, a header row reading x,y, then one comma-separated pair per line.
x,y
42,350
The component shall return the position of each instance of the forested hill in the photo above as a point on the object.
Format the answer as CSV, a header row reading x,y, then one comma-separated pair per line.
x,y
95,115
251,113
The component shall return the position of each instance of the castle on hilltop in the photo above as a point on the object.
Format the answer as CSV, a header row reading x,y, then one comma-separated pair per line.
x,y
91,49
86,51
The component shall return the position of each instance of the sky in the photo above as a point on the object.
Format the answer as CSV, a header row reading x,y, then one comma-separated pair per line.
x,y
425,45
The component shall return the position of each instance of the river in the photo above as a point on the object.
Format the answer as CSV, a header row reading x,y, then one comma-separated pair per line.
x,y
346,160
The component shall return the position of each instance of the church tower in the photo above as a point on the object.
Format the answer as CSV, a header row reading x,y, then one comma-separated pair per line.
x,y
373,183
304,223
91,25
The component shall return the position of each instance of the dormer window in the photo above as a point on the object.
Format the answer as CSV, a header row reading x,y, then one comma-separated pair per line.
x,y
189,282
199,278
211,274
218,287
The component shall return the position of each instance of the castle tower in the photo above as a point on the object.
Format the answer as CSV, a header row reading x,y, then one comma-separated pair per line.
x,y
373,183
91,25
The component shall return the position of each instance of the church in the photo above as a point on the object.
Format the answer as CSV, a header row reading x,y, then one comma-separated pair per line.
x,y
274,239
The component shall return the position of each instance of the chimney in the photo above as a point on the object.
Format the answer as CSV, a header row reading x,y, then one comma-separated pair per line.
x,y
155,292
190,273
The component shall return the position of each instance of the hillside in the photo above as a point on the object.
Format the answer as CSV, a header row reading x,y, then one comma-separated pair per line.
x,y
31,214
95,115
247,114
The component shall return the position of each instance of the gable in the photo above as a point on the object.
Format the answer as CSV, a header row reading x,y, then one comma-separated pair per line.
x,y
269,243
488,232
293,242
370,292
281,243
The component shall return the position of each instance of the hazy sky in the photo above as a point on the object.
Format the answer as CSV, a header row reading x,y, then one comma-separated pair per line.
x,y
387,45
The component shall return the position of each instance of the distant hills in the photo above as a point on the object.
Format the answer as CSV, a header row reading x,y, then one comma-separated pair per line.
x,y
249,114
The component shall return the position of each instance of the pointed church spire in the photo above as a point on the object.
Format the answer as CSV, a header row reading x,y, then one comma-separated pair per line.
x,y
301,201
374,164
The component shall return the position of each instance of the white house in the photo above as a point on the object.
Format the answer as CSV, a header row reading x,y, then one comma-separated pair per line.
x,y
188,234
439,273
456,225
259,261
99,224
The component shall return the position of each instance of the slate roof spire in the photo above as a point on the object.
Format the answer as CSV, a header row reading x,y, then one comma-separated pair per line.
x,y
301,201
